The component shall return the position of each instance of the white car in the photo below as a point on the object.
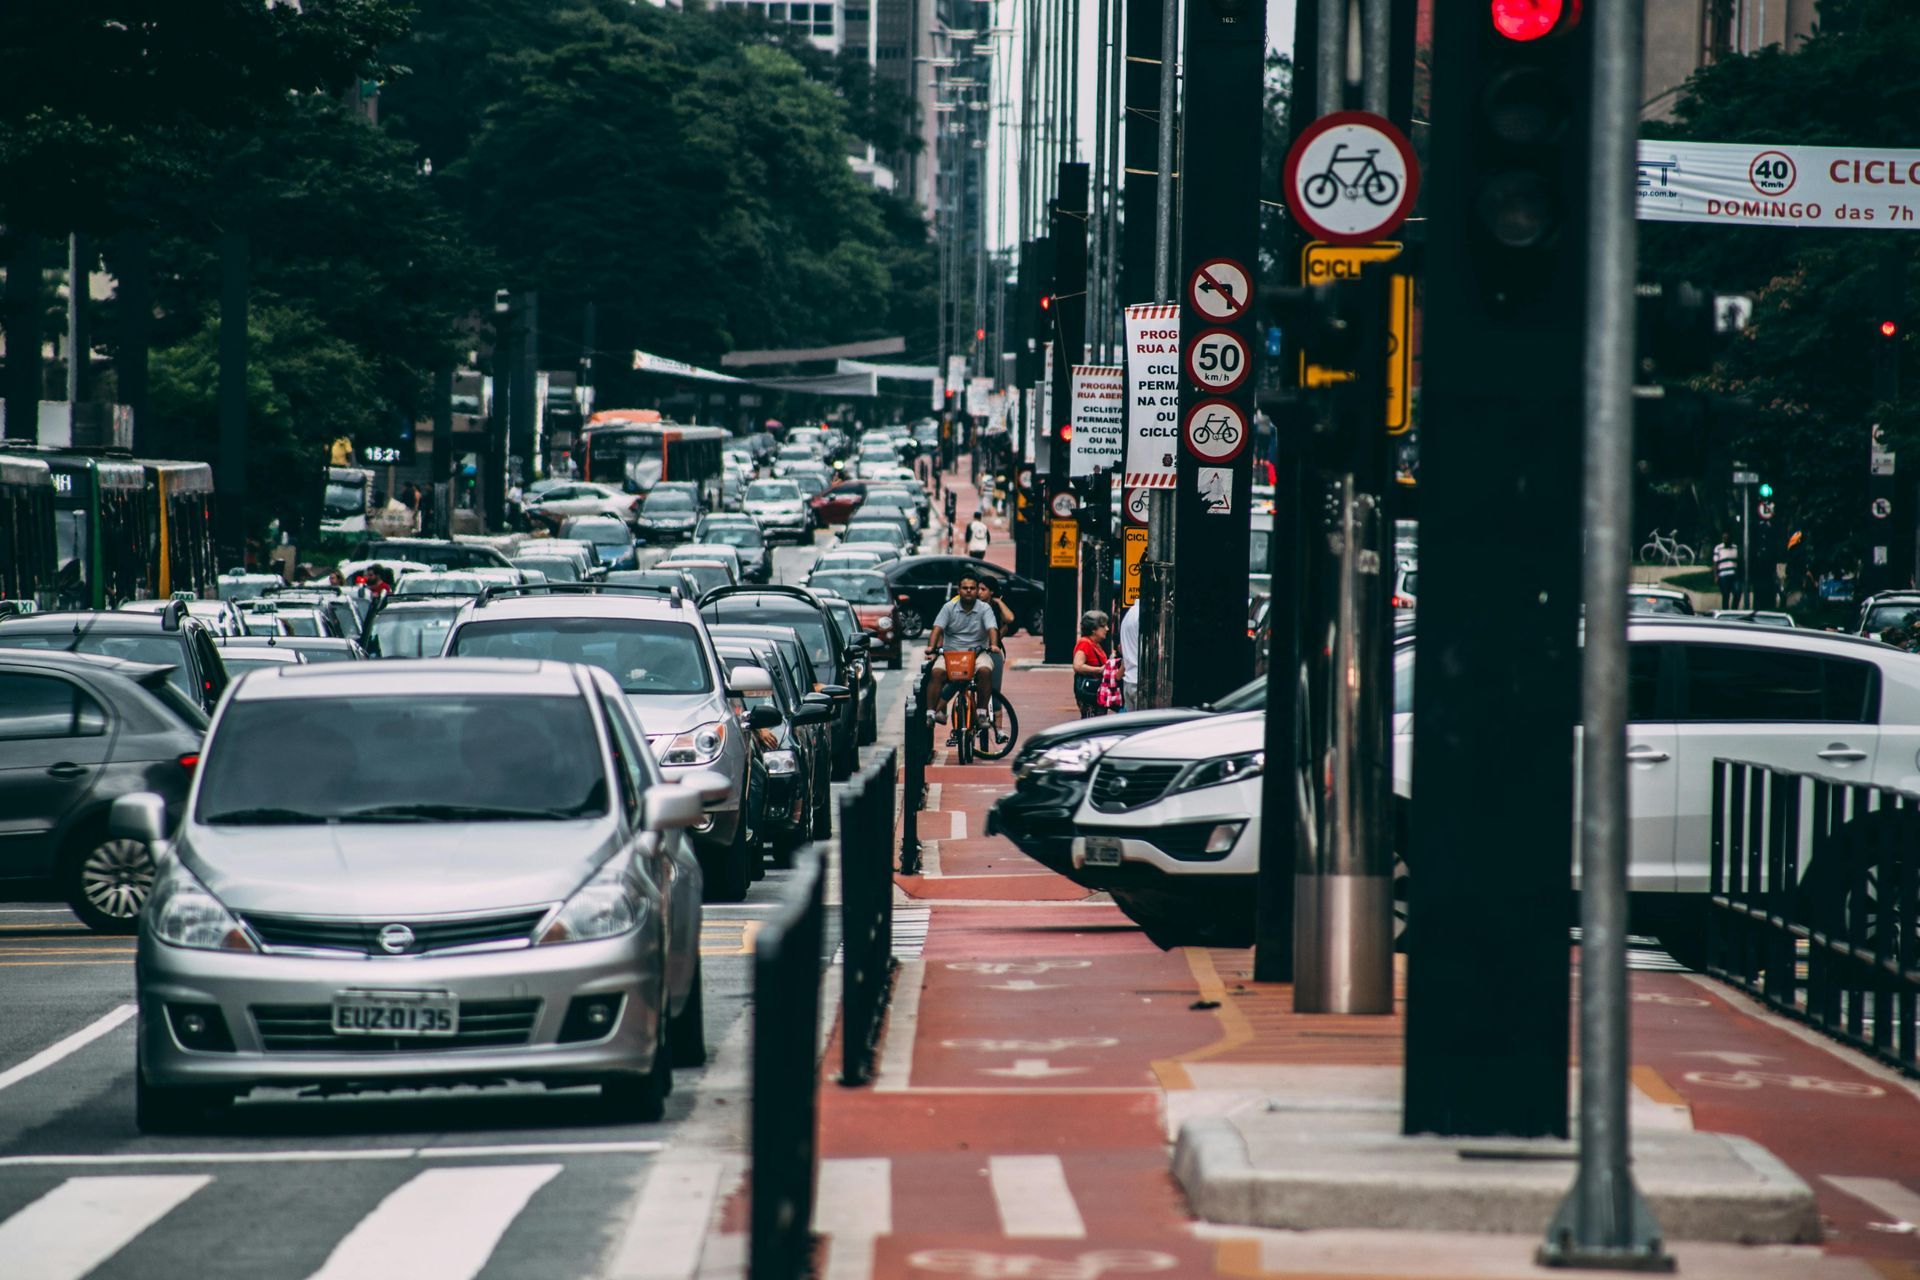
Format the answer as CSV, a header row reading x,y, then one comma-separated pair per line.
x,y
780,508
791,456
580,498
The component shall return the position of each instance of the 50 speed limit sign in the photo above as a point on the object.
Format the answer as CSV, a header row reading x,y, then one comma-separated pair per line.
x,y
1217,360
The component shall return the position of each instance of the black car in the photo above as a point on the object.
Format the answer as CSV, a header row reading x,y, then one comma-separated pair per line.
x,y
808,689
454,555
410,627
172,638
867,684
657,579
1052,769
795,757
742,533
667,515
77,732
832,651
922,584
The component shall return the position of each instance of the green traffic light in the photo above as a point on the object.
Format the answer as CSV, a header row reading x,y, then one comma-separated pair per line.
x,y
1766,490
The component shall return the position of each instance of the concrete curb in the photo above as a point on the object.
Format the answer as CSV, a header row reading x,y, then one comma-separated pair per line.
x,y
1702,1186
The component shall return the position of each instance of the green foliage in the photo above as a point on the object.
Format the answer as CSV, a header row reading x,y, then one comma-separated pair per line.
x,y
1807,362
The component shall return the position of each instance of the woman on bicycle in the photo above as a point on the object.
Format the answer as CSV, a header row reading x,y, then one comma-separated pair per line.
x,y
1090,662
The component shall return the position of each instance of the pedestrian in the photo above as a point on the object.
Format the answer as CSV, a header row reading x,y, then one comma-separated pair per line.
x,y
1130,654
1726,569
977,537
1090,662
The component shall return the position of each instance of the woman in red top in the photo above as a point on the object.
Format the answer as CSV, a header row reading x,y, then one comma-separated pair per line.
x,y
1089,660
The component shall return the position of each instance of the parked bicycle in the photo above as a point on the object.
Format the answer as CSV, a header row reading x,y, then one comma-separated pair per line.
x,y
1666,550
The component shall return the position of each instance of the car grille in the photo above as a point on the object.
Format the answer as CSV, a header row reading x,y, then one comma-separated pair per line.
x,y
308,1028
362,937
1119,786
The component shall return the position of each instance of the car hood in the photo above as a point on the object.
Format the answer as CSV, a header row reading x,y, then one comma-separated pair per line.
x,y
1127,722
1200,739
674,712
396,869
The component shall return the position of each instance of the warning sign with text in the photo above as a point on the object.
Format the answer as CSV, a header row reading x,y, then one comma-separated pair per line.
x,y
1099,400
1153,394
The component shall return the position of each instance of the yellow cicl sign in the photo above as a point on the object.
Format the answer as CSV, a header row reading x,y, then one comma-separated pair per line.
x,y
1136,551
1332,263
1063,543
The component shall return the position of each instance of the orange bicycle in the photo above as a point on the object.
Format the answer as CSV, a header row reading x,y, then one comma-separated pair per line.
x,y
987,733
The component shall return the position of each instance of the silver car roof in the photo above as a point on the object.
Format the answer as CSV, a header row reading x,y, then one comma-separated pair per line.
x,y
409,679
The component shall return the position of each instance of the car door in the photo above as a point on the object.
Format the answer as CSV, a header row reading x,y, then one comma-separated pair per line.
x,y
1773,705
668,855
54,740
1653,770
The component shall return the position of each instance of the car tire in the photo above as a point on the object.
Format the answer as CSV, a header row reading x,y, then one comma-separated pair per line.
x,y
729,875
688,1033
912,625
896,659
1037,621
823,815
160,1109
105,880
845,762
642,1099
869,727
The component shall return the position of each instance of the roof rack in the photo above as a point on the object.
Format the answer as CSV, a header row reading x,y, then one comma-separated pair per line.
x,y
489,594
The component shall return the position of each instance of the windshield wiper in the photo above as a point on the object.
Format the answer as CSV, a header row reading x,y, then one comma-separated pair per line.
x,y
454,813
266,818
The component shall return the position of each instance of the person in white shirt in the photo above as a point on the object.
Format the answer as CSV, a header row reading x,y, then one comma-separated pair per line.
x,y
1130,655
977,537
1726,568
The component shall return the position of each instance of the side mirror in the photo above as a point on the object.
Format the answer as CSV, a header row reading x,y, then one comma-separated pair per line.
x,y
817,700
141,816
710,786
671,807
814,713
763,717
838,692
750,682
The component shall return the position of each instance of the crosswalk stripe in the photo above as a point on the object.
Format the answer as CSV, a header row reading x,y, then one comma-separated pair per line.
x,y
84,1221
72,1044
1033,1199
668,1231
1884,1194
855,1198
440,1225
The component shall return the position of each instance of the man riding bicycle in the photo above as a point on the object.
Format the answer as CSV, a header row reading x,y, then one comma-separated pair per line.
x,y
963,625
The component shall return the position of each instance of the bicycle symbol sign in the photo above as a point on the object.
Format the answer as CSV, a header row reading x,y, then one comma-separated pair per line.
x,y
1351,178
1216,430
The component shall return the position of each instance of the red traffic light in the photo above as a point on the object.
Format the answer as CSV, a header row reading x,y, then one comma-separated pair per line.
x,y
1046,301
1066,431
1889,329
979,335
1525,20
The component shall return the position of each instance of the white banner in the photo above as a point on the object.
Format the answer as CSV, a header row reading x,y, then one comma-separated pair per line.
x,y
956,373
1044,424
1033,425
1756,184
939,396
1099,400
1153,394
978,390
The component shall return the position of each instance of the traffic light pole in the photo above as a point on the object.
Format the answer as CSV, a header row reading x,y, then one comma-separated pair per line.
x,y
1069,312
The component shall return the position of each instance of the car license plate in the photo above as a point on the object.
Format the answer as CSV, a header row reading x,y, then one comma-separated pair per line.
x,y
1102,851
395,1013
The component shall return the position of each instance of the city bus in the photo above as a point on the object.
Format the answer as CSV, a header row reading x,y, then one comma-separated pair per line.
x,y
617,449
181,550
102,523
28,570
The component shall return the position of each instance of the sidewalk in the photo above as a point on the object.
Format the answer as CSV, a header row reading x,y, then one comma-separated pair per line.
x,y
1041,1056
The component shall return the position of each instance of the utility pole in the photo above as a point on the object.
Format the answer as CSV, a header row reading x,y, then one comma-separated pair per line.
x,y
133,293
525,423
24,258
230,464
1069,327
1138,283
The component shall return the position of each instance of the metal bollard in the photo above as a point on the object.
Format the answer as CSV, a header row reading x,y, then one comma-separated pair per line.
x,y
918,745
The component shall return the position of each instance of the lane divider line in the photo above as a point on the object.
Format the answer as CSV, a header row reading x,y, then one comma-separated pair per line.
x,y
1884,1194
439,1225
853,1207
667,1233
1031,1195
63,1048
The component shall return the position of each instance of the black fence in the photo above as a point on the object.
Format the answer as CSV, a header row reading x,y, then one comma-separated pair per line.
x,y
866,914
917,751
787,956
1814,906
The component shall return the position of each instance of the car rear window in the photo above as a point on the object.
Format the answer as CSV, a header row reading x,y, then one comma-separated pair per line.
x,y
421,757
644,655
411,633
861,588
161,650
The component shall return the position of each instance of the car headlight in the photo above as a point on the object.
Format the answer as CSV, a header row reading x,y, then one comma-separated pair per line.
x,y
1069,759
606,906
699,745
183,914
884,624
1222,770
782,762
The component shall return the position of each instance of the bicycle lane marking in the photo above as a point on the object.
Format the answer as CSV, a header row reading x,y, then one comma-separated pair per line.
x,y
1810,1106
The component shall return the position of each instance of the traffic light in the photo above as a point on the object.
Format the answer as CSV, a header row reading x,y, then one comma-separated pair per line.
x,y
1766,490
1889,328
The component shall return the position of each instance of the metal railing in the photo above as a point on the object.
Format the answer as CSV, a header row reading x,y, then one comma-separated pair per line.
x,y
866,914
787,965
1815,902
916,751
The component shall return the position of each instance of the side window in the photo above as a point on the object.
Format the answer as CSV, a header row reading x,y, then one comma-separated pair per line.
x,y
216,671
1730,683
628,762
1643,680
46,707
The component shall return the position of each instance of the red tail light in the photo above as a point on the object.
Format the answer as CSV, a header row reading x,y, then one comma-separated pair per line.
x,y
190,761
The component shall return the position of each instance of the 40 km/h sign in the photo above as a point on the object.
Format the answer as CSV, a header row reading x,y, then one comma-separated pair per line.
x,y
1217,360
1351,178
1215,430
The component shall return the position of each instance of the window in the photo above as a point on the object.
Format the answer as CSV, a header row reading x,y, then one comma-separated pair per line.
x,y
1731,683
628,769
823,17
643,655
46,707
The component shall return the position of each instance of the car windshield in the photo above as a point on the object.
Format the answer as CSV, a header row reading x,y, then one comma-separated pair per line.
x,y
417,758
161,650
1251,696
811,486
454,555
861,588
303,624
872,533
343,500
1658,604
645,655
811,626
411,633
237,662
773,491
670,502
795,453
555,568
705,576
733,535
1901,613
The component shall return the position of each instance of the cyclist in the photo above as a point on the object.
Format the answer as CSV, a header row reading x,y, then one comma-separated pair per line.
x,y
963,625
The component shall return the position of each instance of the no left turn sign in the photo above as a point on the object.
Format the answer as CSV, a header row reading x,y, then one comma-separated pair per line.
x,y
1217,360
1882,508
1216,430
1351,178
1220,290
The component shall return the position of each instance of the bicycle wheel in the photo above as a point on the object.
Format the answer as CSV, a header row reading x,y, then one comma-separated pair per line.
x,y
1319,191
1380,188
1682,553
998,732
963,725
1649,553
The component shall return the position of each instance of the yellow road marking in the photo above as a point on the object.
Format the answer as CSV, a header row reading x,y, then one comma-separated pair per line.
x,y
1655,1086
66,951
1235,1030
41,964
727,943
